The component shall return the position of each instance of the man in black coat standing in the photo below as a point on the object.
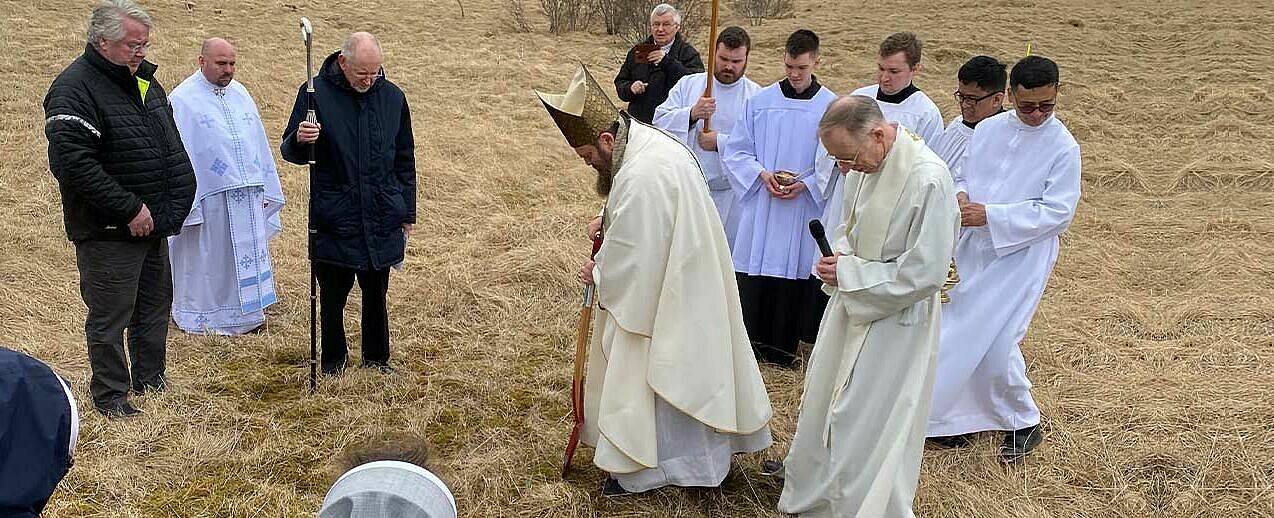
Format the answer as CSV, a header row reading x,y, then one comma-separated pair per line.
x,y
363,202
655,65
126,186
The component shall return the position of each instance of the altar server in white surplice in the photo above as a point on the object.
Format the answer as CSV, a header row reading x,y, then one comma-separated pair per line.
x,y
860,432
1018,188
222,278
980,96
777,135
683,114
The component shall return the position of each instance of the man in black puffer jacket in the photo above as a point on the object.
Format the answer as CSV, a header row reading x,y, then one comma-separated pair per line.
x,y
126,186
363,190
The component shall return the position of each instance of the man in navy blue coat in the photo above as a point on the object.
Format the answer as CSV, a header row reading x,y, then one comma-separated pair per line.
x,y
37,437
363,198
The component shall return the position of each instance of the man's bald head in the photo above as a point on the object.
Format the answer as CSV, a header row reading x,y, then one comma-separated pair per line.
x,y
856,114
360,60
361,47
217,61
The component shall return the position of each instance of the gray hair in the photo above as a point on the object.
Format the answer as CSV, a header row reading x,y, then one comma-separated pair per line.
x,y
663,9
857,114
107,22
357,40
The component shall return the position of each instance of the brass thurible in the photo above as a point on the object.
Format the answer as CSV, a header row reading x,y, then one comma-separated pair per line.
x,y
952,279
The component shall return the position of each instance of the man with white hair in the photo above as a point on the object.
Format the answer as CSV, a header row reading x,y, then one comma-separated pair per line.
x,y
656,64
363,191
860,433
222,277
126,186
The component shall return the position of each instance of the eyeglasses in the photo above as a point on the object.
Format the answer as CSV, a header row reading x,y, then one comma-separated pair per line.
x,y
656,25
1031,108
848,163
138,47
962,98
369,77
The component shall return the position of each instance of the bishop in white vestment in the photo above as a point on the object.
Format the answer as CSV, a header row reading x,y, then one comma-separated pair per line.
x,y
222,275
672,391
1019,187
730,88
860,433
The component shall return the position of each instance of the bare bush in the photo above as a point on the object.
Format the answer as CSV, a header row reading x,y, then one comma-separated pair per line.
x,y
630,19
757,11
566,15
517,21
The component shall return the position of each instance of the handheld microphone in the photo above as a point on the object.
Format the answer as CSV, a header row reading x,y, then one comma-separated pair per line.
x,y
820,237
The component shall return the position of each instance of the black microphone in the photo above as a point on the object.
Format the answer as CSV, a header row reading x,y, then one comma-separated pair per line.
x,y
820,237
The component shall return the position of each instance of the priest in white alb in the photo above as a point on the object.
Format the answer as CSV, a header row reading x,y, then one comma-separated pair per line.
x,y
1018,189
221,267
860,433
770,157
672,391
980,96
684,112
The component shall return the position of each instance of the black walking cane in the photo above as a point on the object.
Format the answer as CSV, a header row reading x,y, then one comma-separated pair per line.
x,y
307,33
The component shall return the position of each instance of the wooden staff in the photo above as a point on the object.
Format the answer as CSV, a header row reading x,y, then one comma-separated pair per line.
x,y
712,61
581,358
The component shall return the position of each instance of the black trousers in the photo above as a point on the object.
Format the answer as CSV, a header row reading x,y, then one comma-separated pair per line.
x,y
127,285
335,283
778,313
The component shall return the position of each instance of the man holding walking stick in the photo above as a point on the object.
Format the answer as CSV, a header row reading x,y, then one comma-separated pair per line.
x,y
363,195
673,390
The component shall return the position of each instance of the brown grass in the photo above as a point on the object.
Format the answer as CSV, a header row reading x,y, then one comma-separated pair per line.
x,y
1150,353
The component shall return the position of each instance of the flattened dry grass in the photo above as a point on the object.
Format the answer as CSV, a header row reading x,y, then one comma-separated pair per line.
x,y
1150,352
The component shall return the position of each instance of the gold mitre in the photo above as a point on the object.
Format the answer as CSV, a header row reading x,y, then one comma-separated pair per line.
x,y
583,112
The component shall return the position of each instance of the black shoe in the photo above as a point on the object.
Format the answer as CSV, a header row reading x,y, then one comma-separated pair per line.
x,y
142,389
611,489
331,370
1019,443
953,441
120,409
384,368
771,468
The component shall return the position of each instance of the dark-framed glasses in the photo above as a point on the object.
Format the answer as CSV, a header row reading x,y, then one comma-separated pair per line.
x,y
1033,107
962,98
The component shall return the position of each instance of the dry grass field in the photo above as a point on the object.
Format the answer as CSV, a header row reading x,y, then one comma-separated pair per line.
x,y
1151,354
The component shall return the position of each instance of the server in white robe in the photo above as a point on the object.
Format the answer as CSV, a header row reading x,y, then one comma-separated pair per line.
x,y
1018,189
672,391
980,95
686,108
860,432
221,267
773,253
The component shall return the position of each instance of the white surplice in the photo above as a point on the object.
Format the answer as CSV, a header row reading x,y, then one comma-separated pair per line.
x,y
673,390
953,143
773,133
917,112
1029,180
674,117
221,268
860,433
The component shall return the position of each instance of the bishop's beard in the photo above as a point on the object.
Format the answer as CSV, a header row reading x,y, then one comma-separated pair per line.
x,y
604,181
